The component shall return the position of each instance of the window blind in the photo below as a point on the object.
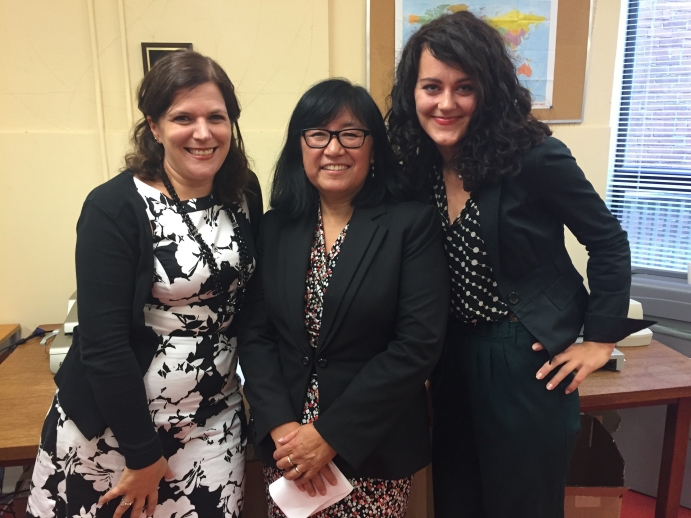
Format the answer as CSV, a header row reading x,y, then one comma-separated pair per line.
x,y
650,185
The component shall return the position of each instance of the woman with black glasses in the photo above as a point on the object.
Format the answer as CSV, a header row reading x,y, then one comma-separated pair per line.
x,y
346,315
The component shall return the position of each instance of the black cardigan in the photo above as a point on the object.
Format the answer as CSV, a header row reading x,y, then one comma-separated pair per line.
x,y
100,383
383,323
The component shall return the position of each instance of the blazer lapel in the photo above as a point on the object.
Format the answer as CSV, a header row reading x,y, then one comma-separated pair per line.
x,y
295,247
359,248
488,205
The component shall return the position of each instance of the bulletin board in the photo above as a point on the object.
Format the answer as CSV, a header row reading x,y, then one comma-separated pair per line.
x,y
573,24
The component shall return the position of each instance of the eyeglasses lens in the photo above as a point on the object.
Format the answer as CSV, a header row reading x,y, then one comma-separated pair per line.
x,y
349,138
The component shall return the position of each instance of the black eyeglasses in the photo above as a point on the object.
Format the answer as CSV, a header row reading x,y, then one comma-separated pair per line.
x,y
350,138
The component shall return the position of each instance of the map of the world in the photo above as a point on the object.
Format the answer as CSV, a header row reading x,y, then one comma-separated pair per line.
x,y
528,27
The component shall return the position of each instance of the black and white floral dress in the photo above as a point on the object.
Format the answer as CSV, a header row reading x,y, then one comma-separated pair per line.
x,y
371,497
191,384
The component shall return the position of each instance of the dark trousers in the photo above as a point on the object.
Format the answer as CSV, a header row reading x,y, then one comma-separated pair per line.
x,y
502,442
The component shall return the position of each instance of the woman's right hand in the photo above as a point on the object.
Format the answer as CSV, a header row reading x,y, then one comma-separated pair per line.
x,y
279,433
309,450
314,485
138,488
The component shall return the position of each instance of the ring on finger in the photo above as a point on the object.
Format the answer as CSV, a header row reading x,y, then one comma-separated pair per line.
x,y
297,470
290,461
127,504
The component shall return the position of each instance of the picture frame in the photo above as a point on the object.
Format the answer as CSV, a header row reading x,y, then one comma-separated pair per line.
x,y
152,52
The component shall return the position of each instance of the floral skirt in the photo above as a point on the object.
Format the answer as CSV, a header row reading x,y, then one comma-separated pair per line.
x,y
197,409
371,497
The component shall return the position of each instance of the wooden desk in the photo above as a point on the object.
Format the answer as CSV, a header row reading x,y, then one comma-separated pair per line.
x,y
9,333
652,375
26,391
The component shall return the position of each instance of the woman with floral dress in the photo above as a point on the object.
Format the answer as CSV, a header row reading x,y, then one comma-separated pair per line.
x,y
148,418
345,317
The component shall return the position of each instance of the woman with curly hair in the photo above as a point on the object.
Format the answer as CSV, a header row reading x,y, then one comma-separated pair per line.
x,y
506,408
148,418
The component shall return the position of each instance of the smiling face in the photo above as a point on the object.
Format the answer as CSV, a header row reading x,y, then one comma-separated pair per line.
x,y
444,102
338,173
195,133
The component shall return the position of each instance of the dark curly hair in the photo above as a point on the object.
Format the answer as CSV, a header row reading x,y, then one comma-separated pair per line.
x,y
292,192
501,128
176,72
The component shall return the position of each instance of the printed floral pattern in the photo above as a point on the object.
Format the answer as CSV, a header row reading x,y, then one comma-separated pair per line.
x,y
370,497
193,390
318,276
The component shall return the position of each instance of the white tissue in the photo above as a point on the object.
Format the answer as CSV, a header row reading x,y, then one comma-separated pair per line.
x,y
298,504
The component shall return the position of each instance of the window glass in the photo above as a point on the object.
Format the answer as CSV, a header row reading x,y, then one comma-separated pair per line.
x,y
650,186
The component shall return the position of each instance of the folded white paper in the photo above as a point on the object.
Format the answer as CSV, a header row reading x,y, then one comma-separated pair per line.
x,y
298,504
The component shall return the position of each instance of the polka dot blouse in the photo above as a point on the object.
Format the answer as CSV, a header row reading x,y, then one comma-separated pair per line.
x,y
474,292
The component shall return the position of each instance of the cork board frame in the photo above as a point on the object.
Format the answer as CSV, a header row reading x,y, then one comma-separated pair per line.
x,y
573,29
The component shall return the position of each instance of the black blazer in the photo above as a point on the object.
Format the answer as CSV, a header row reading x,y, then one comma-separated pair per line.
x,y
384,318
100,383
522,220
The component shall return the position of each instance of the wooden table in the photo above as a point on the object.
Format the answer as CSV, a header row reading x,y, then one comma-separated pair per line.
x,y
652,375
9,333
26,391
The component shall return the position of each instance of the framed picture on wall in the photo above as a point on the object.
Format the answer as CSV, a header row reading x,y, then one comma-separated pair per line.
x,y
152,52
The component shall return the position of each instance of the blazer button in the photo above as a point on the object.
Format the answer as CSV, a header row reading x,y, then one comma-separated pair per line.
x,y
322,362
513,298
305,360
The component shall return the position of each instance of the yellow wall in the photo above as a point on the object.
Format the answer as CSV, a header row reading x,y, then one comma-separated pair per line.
x,y
60,135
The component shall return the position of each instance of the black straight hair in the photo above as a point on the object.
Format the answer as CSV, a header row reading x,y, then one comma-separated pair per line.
x,y
292,192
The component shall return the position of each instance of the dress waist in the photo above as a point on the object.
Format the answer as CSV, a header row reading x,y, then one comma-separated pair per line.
x,y
184,321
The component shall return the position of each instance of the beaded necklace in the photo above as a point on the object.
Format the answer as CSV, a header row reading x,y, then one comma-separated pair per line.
x,y
244,266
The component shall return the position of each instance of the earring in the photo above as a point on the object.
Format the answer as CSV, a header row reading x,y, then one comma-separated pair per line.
x,y
157,141
371,170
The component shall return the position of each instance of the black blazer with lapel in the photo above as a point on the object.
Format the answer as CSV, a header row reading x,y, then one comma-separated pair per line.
x,y
522,220
383,323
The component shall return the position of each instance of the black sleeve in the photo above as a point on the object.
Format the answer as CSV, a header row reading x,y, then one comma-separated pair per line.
x,y
564,188
256,205
107,256
265,387
353,424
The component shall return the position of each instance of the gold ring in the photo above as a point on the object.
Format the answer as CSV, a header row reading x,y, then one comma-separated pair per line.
x,y
122,502
290,461
297,471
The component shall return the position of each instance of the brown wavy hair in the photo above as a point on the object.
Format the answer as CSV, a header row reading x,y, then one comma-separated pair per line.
x,y
179,71
501,129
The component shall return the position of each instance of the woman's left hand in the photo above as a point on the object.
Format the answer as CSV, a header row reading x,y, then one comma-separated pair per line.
x,y
308,451
584,358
